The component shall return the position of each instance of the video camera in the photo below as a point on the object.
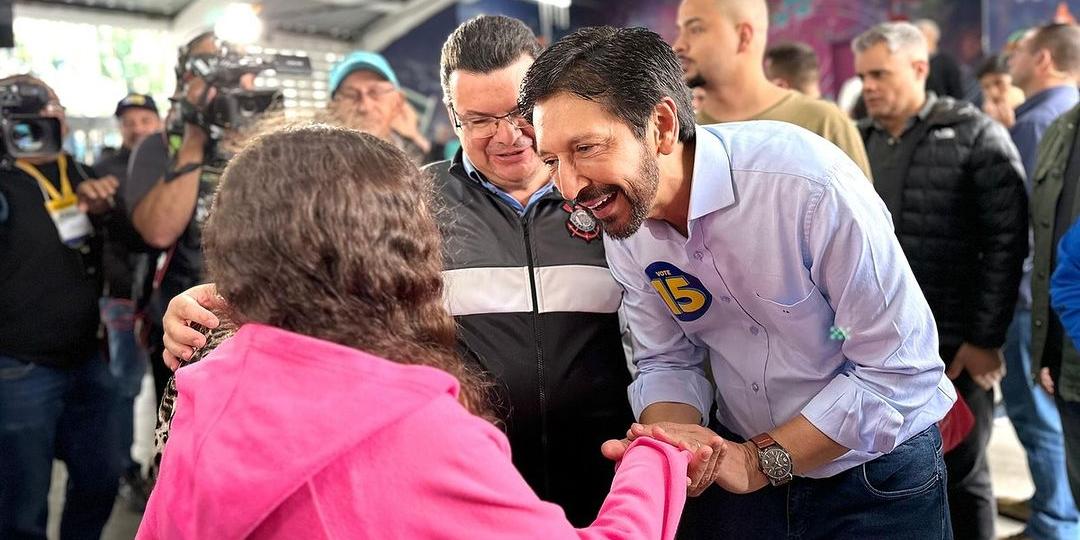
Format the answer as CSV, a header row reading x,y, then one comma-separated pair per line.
x,y
25,132
233,106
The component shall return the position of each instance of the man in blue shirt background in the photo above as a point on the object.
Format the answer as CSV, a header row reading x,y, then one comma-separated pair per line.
x,y
1044,65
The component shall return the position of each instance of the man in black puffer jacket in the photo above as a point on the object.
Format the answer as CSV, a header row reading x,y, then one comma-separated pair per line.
x,y
953,181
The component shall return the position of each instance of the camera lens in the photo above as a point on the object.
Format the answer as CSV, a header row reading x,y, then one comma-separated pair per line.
x,y
28,136
249,108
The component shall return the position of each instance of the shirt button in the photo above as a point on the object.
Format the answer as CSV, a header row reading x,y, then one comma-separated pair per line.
x,y
1041,274
699,255
1046,223
725,299
754,330
755,387
1038,323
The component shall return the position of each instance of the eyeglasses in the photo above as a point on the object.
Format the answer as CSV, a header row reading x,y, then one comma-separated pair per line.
x,y
376,93
482,127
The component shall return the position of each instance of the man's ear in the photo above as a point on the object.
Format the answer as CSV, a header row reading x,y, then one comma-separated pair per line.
x,y
922,69
780,82
665,120
746,36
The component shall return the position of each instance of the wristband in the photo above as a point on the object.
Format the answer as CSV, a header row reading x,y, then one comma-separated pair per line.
x,y
173,172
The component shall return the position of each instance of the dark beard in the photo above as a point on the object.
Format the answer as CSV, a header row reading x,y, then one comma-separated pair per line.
x,y
695,81
641,195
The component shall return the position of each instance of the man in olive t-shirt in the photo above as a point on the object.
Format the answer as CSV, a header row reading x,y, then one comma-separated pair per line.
x,y
722,47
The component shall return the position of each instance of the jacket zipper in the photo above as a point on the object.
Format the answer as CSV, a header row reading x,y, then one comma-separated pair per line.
x,y
539,349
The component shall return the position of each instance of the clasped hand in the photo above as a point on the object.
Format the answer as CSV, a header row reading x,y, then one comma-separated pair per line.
x,y
728,464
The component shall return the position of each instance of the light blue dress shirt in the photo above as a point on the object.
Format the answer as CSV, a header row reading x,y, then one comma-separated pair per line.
x,y
789,247
473,173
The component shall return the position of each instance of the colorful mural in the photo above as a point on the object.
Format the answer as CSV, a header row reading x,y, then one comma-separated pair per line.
x,y
829,25
1006,17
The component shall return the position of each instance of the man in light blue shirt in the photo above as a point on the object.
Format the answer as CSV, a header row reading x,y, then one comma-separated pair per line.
x,y
762,249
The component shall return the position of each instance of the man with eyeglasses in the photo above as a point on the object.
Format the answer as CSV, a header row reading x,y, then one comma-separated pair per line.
x,y
525,278
365,95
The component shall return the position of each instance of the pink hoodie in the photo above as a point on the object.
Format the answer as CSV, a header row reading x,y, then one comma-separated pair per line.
x,y
279,435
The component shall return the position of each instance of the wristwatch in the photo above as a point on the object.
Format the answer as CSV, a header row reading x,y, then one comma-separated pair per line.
x,y
773,459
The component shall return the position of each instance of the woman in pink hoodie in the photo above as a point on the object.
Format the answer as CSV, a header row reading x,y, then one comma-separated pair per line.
x,y
340,408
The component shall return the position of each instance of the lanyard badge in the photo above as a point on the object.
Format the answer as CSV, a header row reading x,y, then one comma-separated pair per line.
x,y
72,225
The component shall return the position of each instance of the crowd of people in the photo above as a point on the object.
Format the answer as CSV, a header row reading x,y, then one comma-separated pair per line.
x,y
661,290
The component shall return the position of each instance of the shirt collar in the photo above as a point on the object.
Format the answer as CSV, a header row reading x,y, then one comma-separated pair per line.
x,y
921,116
1049,94
931,100
470,169
478,177
712,186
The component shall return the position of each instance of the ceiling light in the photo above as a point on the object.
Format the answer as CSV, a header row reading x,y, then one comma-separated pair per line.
x,y
239,23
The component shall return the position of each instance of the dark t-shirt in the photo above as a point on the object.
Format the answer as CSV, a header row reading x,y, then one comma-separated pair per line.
x,y
123,245
185,264
48,291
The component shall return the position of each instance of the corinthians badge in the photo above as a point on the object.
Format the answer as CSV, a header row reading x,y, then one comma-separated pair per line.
x,y
581,222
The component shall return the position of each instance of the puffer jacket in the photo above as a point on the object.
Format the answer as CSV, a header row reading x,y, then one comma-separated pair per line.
x,y
960,213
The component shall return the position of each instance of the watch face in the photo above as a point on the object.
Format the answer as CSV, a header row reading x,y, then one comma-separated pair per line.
x,y
775,463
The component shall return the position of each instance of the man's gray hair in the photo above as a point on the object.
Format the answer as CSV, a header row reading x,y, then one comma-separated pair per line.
x,y
896,36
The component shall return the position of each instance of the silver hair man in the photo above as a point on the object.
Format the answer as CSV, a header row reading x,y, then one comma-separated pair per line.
x,y
897,36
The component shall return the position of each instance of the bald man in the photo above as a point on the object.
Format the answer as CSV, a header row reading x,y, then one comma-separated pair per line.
x,y
721,44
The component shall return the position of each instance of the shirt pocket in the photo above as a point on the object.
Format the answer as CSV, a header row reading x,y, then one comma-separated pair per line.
x,y
799,335
811,305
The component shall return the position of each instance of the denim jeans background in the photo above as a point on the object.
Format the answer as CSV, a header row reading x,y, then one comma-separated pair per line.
x,y
1034,415
127,365
900,496
66,414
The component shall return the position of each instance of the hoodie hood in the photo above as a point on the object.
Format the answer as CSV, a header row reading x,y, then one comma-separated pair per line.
x,y
265,412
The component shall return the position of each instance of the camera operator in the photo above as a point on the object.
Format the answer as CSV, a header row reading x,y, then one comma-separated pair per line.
x,y
56,394
138,117
171,182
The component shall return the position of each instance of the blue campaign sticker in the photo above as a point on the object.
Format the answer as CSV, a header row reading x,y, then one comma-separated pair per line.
x,y
681,292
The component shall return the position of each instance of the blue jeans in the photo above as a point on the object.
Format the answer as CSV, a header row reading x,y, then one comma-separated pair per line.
x,y
1035,417
900,495
127,364
67,414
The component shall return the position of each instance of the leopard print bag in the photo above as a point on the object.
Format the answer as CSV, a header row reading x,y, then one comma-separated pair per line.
x,y
167,410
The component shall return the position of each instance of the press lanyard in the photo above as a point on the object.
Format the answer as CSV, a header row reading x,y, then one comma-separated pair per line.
x,y
56,198
63,206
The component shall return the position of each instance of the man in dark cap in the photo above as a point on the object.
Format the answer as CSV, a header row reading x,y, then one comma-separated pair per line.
x,y
124,253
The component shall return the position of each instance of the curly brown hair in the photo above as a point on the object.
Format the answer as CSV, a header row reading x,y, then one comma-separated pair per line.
x,y
327,232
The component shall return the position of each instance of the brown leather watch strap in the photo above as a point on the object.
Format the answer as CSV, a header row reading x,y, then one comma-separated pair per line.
x,y
763,441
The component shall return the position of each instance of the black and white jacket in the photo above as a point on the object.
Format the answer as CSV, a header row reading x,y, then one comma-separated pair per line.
x,y
537,307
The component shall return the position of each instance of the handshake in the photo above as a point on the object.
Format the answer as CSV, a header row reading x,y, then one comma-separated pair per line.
x,y
732,466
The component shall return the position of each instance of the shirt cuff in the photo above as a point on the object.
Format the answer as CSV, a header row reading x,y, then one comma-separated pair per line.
x,y
855,417
684,386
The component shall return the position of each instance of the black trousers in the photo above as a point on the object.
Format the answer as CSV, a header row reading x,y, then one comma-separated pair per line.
x,y
161,372
971,497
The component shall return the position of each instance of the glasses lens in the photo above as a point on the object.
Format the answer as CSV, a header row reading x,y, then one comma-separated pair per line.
x,y
484,128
